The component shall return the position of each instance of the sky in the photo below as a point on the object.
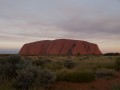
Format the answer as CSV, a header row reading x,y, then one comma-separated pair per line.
x,y
24,21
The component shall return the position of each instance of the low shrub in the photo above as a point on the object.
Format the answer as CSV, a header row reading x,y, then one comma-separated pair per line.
x,y
26,77
14,59
33,76
9,66
117,62
79,76
104,73
69,64
41,62
7,85
115,87
61,74
45,77
54,66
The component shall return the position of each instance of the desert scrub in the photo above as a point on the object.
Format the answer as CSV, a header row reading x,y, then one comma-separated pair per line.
x,y
45,77
7,85
115,87
104,73
41,62
26,77
117,62
61,74
69,64
9,66
14,59
33,76
54,66
83,76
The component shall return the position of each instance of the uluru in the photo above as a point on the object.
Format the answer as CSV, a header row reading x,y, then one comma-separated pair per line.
x,y
60,47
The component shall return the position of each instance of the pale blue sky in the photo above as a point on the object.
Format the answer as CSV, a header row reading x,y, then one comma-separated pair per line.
x,y
23,21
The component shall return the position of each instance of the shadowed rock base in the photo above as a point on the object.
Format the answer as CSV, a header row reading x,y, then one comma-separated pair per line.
x,y
59,47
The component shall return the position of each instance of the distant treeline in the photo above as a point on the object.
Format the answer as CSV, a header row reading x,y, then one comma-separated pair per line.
x,y
7,54
105,54
111,54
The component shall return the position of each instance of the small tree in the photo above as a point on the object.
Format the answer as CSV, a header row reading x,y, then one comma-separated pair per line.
x,y
78,54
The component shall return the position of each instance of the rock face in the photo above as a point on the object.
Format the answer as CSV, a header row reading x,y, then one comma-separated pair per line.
x,y
59,47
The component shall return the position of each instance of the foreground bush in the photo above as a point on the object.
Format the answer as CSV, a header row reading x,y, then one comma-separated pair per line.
x,y
115,87
33,75
45,77
80,77
9,66
26,77
14,59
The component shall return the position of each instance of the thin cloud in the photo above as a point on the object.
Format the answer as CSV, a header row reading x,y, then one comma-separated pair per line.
x,y
25,21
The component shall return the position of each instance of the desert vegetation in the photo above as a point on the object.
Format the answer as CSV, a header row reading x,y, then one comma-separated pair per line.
x,y
49,72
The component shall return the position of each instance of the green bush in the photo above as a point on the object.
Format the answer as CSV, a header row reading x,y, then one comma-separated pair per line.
x,y
26,77
45,77
80,76
2,63
9,65
34,76
115,87
41,62
61,74
69,64
104,73
14,59
54,66
117,62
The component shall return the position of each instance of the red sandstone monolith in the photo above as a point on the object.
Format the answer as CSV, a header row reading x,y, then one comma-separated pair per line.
x,y
59,47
